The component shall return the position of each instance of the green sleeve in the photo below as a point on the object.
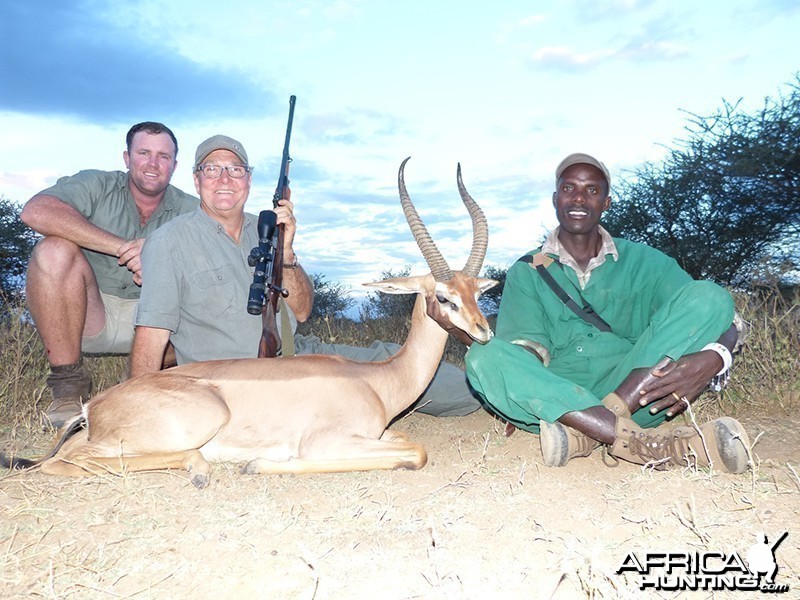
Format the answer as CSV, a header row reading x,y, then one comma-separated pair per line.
x,y
666,276
522,313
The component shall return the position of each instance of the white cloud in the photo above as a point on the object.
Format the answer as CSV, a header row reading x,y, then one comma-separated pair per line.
x,y
502,90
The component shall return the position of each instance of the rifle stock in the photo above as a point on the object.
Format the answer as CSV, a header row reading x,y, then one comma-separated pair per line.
x,y
267,286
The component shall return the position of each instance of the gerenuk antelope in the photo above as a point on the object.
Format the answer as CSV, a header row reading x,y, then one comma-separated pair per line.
x,y
302,414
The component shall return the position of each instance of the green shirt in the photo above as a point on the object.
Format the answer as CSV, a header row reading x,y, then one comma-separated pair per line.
x,y
625,292
105,199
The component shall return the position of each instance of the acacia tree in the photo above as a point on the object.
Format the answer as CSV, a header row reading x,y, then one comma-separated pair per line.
x,y
330,299
490,299
16,244
726,201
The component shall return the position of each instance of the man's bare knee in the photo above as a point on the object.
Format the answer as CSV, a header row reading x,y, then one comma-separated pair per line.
x,y
52,253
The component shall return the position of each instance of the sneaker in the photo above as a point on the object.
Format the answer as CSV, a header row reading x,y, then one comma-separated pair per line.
x,y
560,443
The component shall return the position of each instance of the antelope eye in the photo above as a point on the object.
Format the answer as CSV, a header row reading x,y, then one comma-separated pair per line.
x,y
443,300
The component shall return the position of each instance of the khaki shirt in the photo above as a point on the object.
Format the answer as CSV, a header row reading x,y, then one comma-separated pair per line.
x,y
197,284
552,245
105,199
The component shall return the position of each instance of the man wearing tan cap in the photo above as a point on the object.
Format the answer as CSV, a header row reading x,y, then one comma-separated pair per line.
x,y
600,340
197,269
199,280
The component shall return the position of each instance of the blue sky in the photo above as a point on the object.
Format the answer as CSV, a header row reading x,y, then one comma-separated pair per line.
x,y
506,88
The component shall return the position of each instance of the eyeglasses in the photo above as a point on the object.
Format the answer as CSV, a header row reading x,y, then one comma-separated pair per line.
x,y
215,171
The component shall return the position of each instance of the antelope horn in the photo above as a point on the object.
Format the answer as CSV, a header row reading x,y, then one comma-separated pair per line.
x,y
436,262
480,230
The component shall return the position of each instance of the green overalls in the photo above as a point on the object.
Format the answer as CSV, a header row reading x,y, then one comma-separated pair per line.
x,y
654,309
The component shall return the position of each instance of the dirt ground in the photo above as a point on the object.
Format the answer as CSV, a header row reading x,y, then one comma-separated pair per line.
x,y
483,519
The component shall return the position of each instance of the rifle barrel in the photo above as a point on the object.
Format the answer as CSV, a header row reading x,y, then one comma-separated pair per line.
x,y
283,178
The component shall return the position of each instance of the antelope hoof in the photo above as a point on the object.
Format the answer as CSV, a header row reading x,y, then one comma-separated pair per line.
x,y
200,480
409,465
251,468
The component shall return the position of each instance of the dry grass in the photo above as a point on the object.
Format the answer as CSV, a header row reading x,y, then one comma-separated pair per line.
x,y
394,329
23,372
484,518
766,375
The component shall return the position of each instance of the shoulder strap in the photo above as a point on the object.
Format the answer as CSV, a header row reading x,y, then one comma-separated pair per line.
x,y
536,259
585,312
287,337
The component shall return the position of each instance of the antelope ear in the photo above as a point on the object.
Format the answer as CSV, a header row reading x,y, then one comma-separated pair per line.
x,y
398,285
486,284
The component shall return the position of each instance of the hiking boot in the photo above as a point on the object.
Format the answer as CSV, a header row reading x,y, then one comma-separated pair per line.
x,y
726,445
70,385
617,405
561,443
61,411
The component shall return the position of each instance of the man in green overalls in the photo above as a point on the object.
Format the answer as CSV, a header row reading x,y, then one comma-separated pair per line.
x,y
555,369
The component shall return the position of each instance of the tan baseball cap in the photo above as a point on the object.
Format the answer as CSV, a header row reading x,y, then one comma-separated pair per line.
x,y
580,158
219,142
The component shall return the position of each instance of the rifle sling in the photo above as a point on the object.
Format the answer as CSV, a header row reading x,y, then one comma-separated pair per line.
x,y
585,312
287,338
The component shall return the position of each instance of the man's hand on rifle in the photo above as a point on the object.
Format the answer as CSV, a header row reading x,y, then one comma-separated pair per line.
x,y
285,213
297,282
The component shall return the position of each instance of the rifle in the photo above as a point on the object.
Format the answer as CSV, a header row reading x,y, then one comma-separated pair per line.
x,y
267,258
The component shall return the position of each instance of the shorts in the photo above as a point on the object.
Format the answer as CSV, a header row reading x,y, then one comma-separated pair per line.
x,y
116,337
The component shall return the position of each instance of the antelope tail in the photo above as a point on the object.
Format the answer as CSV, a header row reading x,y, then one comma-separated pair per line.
x,y
21,464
